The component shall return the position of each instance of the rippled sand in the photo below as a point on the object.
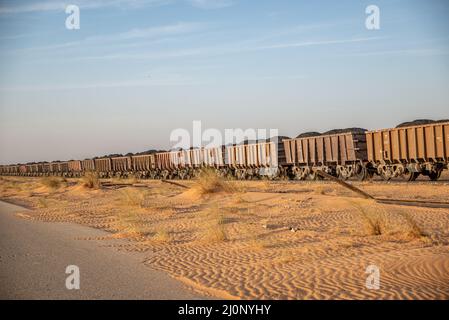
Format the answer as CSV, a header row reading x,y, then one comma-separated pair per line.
x,y
266,240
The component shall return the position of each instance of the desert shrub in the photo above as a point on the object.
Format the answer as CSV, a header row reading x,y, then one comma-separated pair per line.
x,y
162,235
379,221
51,182
91,180
214,221
214,234
209,182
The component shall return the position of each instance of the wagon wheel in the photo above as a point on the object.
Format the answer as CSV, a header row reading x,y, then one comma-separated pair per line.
x,y
313,175
342,176
434,175
385,174
343,173
295,173
361,172
409,175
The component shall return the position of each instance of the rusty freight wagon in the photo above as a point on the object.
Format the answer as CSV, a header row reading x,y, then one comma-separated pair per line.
x,y
409,151
9,170
63,168
22,170
121,166
74,168
340,154
31,170
87,165
254,159
46,169
35,169
144,166
170,164
15,170
104,167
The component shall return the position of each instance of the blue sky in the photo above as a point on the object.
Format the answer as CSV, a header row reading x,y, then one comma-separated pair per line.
x,y
137,69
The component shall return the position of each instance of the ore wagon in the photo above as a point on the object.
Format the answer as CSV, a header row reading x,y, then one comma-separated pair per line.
x,y
409,151
144,166
87,165
23,170
75,168
342,154
46,169
104,167
254,159
121,166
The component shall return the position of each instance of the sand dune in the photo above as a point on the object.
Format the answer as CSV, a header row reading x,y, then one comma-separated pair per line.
x,y
249,241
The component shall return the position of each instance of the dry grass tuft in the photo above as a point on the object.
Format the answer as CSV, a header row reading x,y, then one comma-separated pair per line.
x,y
214,234
91,180
381,222
52,182
209,182
214,228
162,236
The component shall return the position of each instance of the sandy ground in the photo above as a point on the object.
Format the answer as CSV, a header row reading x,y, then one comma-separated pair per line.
x,y
265,240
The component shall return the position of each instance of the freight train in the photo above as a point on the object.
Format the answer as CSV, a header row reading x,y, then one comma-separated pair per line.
x,y
407,151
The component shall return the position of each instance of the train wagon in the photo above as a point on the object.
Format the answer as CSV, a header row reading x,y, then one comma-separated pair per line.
x,y
15,170
254,159
75,168
40,168
46,169
104,167
29,170
87,165
121,166
191,161
341,154
168,163
144,166
34,169
185,164
22,170
409,151
64,168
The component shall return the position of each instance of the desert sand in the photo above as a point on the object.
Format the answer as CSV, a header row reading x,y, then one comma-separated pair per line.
x,y
263,239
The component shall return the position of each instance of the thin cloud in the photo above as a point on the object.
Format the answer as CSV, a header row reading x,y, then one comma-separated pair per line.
x,y
406,52
52,5
176,81
179,28
223,50
211,4
315,43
